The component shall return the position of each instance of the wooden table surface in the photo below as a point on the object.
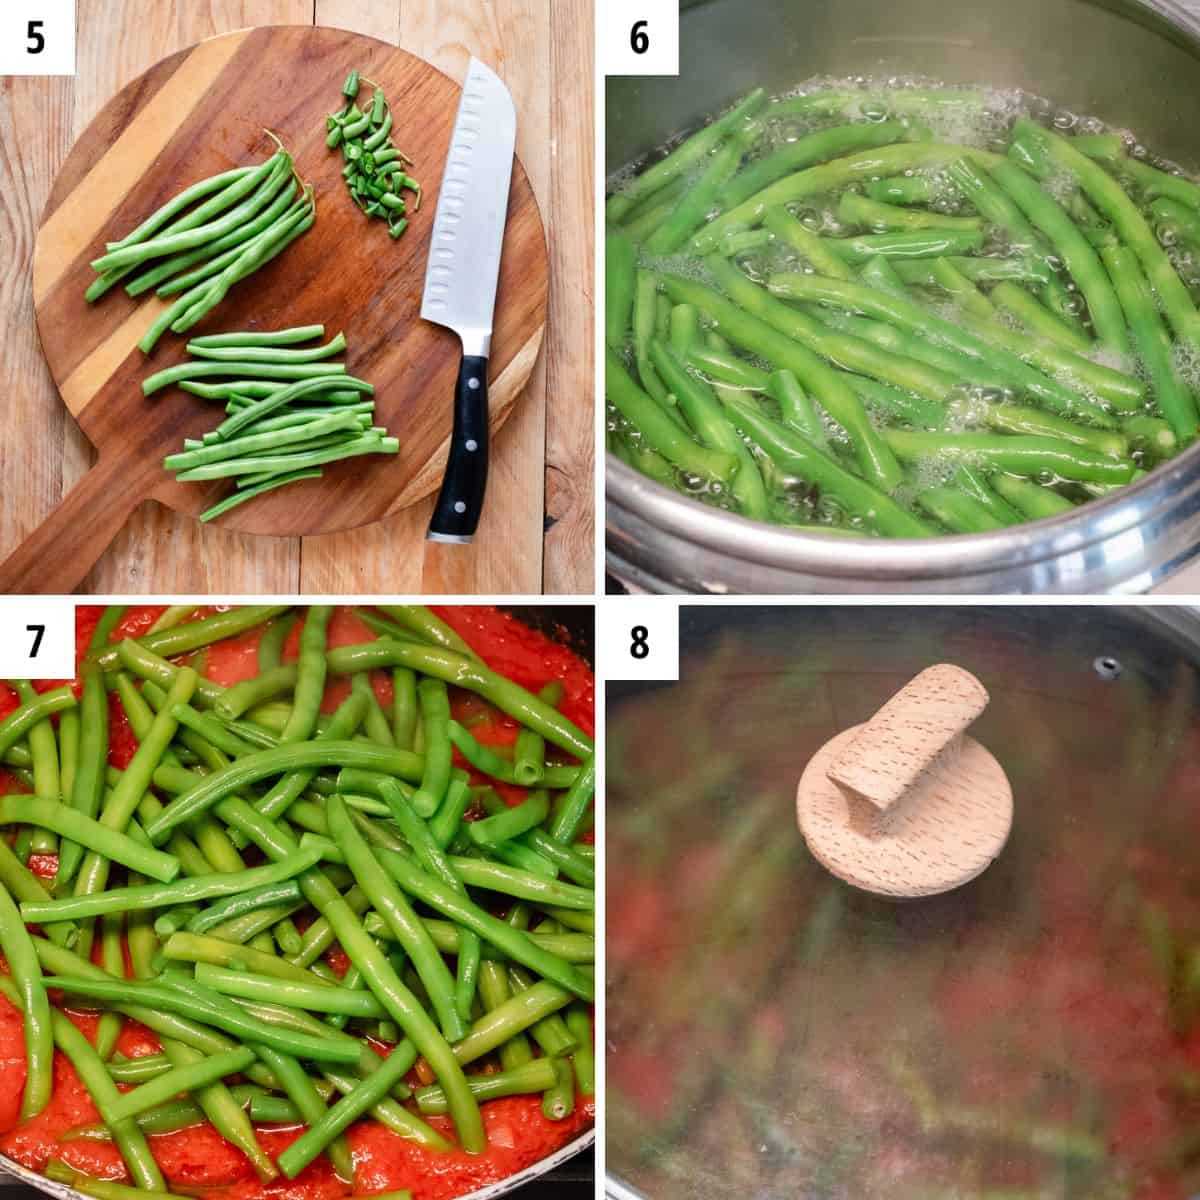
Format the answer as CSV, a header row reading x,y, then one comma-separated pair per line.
x,y
537,530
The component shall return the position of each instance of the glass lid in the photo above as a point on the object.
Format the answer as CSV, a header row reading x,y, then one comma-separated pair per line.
x,y
1033,1035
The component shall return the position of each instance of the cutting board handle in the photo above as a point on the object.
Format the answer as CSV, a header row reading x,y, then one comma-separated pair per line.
x,y
60,552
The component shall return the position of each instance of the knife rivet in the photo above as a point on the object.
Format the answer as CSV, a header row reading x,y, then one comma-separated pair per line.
x,y
472,383
459,506
472,444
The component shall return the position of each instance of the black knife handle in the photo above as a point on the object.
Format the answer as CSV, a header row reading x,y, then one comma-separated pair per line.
x,y
460,501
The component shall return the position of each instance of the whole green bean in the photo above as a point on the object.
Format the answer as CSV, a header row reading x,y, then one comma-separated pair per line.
x,y
684,157
660,431
1037,319
1018,418
188,891
1173,397
515,1015
620,266
876,461
1131,227
857,209
1019,455
920,243
534,1076
1078,256
422,621
46,814
511,823
917,318
569,818
434,702
804,152
794,454
312,997
957,510
1031,499
310,675
830,176
39,1033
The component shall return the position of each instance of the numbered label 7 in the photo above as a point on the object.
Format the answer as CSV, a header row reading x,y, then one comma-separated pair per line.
x,y
37,638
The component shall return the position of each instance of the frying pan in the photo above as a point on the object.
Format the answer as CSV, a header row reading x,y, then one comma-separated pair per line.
x,y
572,625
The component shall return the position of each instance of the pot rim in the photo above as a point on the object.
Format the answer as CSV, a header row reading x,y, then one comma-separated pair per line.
x,y
898,559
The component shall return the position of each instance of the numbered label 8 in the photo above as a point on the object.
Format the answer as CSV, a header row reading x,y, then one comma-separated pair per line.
x,y
37,638
639,37
639,636
37,37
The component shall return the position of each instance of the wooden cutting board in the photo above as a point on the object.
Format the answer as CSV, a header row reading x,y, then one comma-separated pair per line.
x,y
202,111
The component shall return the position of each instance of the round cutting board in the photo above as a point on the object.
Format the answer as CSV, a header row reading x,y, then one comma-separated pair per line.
x,y
202,111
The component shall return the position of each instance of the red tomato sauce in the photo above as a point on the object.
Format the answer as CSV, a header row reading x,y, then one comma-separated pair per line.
x,y
198,1158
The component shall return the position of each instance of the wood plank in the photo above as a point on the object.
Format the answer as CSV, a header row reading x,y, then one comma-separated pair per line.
x,y
569,560
506,554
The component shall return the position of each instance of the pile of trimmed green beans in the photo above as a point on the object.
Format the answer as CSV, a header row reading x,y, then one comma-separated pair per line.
x,y
208,238
248,834
288,411
823,315
375,170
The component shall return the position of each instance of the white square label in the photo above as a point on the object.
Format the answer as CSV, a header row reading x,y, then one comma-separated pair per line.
x,y
639,37
37,37
639,637
37,637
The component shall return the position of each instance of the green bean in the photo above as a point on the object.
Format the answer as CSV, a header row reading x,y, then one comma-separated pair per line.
x,y
917,319
830,176
876,272
962,289
859,102
1019,455
1150,436
400,1003
148,665
264,442
376,725
957,510
849,352
244,902
534,1076
979,270
529,758
908,189
187,891
856,209
112,958
171,999
28,715
620,266
195,635
562,857
1037,319
486,759
271,176
446,821
310,675
876,461
312,997
558,1100
435,722
130,1140
704,414
1031,499
795,454
395,909
804,152
1016,418
684,157
1130,225
921,243
187,1078
1175,400
43,748
795,233
46,814
33,1002
579,1022
798,410
511,823
515,1015
1078,256
282,337
517,946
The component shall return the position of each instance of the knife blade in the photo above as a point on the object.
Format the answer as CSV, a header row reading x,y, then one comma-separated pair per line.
x,y
460,283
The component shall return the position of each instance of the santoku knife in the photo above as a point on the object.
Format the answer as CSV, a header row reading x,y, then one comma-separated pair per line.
x,y
460,283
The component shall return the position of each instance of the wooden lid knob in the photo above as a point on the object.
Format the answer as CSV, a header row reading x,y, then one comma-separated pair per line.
x,y
907,804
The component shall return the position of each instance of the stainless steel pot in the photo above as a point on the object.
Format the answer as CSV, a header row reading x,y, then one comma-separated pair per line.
x,y
1133,63
573,625
755,1003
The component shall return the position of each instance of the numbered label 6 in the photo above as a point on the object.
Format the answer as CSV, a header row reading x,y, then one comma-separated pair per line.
x,y
37,37
639,37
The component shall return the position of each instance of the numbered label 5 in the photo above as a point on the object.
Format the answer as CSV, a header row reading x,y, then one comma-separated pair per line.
x,y
37,37
639,637
639,37
37,638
